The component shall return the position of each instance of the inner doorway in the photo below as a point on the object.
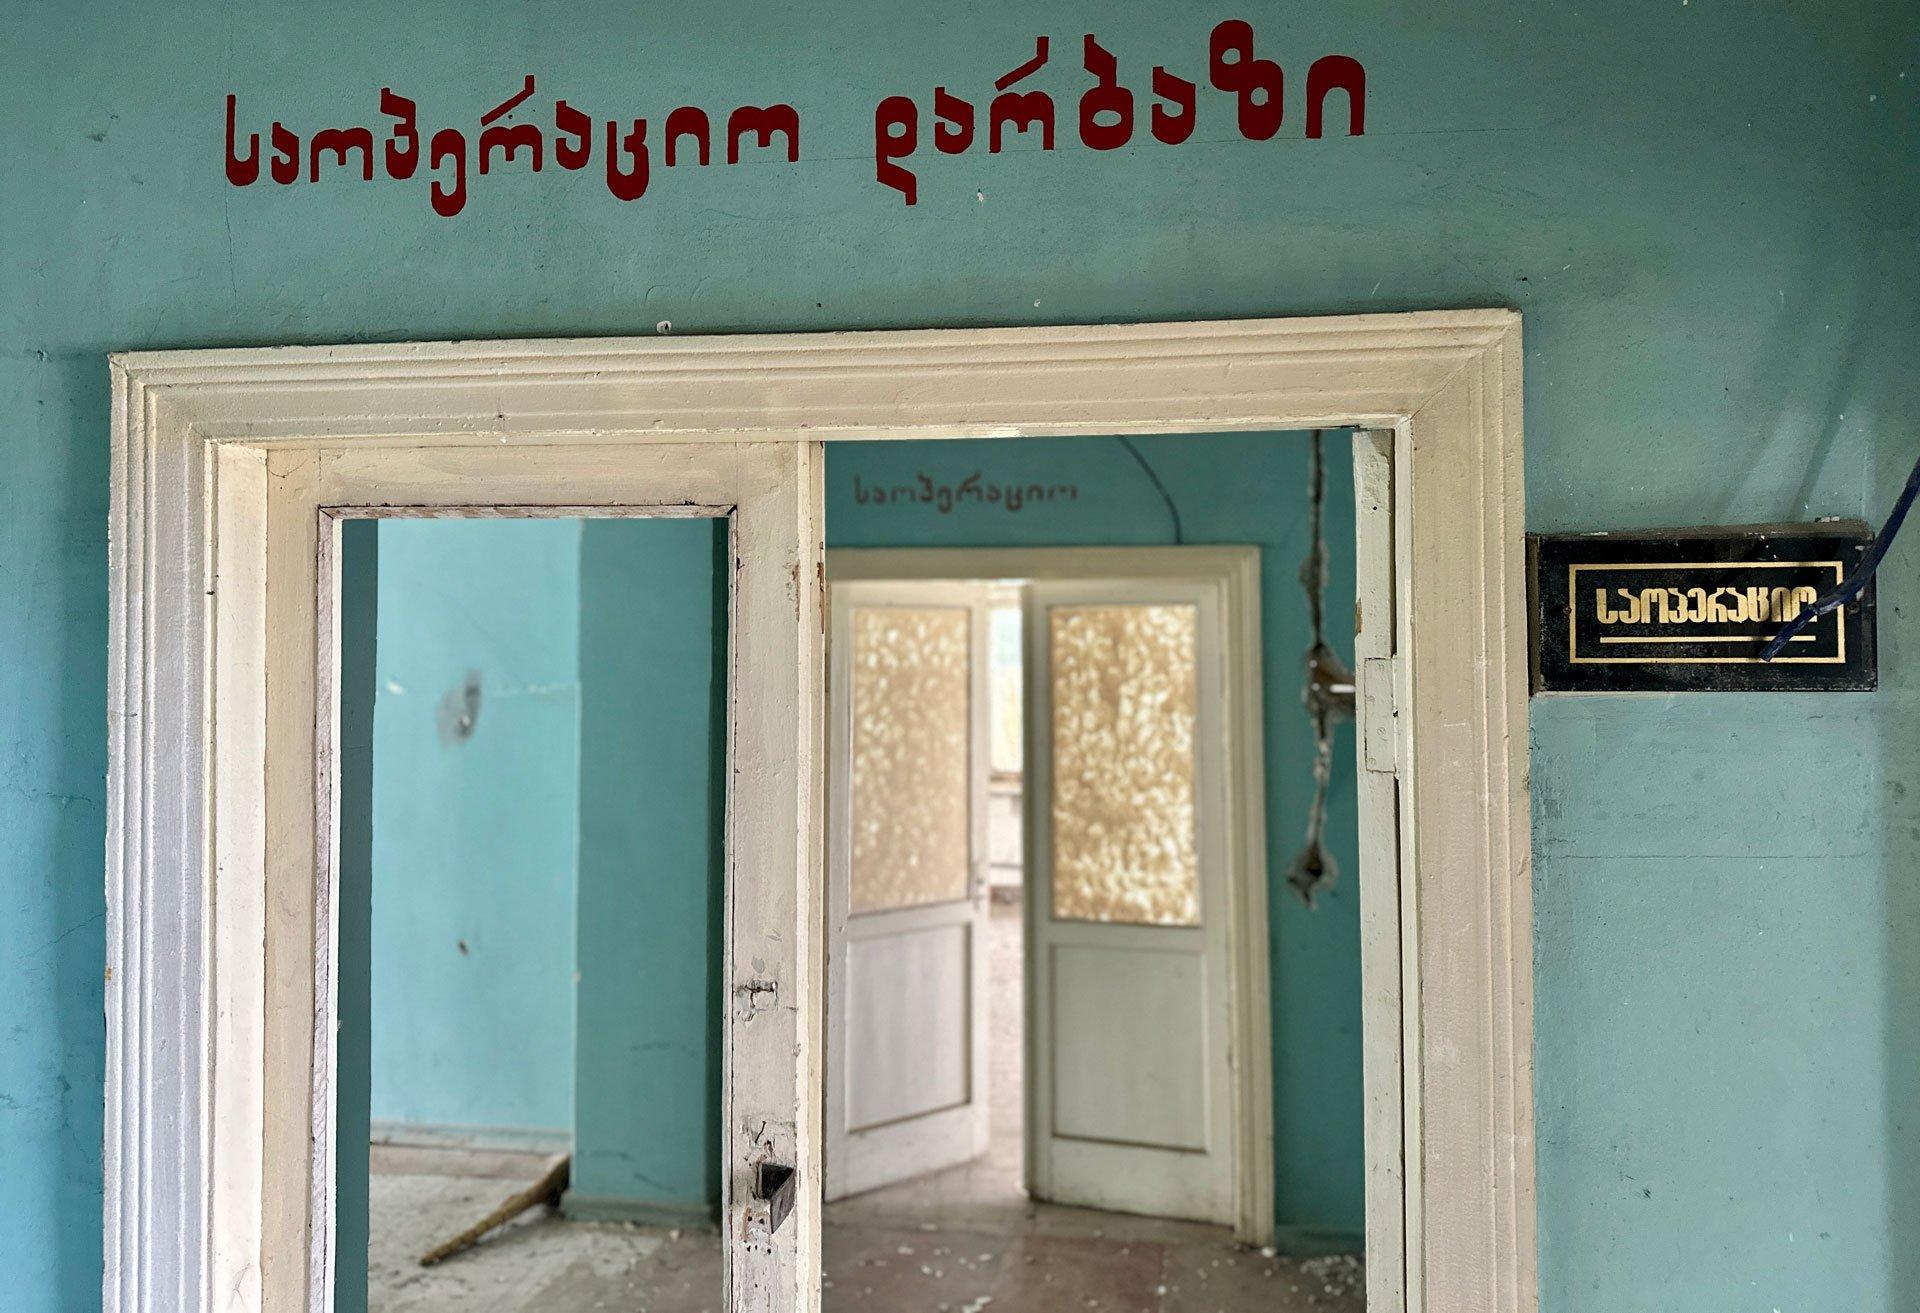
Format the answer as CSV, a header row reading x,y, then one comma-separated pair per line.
x,y
1079,731
531,914
974,906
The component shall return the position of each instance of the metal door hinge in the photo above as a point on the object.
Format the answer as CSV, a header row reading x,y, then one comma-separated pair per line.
x,y
1379,712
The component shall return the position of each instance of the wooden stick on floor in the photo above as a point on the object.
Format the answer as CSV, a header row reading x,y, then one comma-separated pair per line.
x,y
545,1190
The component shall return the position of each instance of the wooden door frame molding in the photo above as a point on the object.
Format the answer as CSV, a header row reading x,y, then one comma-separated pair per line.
x,y
189,567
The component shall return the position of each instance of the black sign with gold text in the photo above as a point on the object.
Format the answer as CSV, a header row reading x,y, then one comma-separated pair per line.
x,y
1688,610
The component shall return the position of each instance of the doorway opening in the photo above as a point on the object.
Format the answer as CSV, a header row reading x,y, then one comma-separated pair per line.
x,y
1052,1047
234,472
531,914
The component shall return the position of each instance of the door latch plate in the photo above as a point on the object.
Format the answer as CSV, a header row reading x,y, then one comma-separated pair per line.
x,y
775,1185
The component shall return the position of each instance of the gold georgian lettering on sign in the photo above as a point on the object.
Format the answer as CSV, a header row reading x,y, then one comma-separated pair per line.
x,y
1690,610
1716,606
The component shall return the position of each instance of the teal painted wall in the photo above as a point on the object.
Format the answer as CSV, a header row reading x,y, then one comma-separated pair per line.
x,y
1704,210
474,835
1247,489
653,616
531,939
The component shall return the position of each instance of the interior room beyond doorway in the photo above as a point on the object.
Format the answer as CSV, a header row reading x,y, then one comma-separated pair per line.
x,y
974,1234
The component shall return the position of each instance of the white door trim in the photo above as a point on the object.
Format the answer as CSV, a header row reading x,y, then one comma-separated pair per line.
x,y
1234,574
189,565
254,777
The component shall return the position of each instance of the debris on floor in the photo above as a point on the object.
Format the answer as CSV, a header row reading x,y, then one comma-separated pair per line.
x,y
552,1183
966,1240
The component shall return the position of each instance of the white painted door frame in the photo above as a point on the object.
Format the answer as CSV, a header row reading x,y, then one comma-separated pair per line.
x,y
215,820
1232,576
252,577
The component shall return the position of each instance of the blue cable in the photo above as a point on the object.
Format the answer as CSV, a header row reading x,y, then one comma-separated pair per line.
x,y
1856,581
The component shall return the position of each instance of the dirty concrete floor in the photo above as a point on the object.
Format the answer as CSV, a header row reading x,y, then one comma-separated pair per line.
x,y
540,1262
966,1240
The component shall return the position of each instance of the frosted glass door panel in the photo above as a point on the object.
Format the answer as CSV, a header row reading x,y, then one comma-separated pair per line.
x,y
907,1056
1124,705
1131,1089
910,764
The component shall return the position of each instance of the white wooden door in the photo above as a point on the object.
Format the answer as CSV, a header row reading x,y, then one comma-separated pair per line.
x,y
906,1084
1129,1090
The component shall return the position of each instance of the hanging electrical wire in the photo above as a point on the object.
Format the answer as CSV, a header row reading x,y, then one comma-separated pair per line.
x,y
1857,581
1328,694
1173,512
